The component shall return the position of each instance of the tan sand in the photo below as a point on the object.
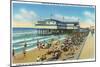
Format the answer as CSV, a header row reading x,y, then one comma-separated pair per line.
x,y
30,56
88,51
33,54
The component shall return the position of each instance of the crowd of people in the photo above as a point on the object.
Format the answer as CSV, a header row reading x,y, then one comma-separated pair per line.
x,y
67,45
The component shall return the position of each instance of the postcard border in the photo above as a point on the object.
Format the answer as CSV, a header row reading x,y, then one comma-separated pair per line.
x,y
11,2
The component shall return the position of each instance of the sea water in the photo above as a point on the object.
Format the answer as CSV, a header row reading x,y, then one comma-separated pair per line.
x,y
30,36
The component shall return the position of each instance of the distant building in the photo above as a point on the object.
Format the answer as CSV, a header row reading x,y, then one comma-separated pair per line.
x,y
57,26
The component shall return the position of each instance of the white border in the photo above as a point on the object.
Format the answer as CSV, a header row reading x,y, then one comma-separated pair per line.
x,y
89,2
55,4
51,62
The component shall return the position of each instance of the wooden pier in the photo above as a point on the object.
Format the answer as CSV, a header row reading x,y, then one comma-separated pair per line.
x,y
52,26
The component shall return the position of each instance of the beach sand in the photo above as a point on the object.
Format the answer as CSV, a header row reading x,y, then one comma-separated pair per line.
x,y
31,56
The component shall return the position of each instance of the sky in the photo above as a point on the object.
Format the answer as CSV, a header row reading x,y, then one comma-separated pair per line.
x,y
30,13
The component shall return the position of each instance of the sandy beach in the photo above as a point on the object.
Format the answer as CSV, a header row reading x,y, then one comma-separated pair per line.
x,y
64,35
31,56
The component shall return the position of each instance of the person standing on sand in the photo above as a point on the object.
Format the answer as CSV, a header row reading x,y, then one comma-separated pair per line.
x,y
38,44
13,53
24,50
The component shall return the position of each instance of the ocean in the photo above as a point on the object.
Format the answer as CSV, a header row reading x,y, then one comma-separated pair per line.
x,y
29,35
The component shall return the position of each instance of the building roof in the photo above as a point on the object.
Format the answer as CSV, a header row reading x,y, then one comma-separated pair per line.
x,y
61,21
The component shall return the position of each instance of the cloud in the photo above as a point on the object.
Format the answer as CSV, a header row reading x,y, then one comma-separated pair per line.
x,y
18,16
65,18
89,14
89,17
25,15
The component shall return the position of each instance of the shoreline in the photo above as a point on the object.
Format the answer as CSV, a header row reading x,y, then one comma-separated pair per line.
x,y
26,50
33,53
47,39
40,53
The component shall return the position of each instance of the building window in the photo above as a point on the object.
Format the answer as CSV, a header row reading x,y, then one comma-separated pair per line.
x,y
52,22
